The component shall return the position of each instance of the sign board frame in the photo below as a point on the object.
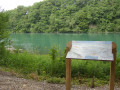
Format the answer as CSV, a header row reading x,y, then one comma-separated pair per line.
x,y
112,68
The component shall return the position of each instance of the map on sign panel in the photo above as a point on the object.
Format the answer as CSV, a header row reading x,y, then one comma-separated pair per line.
x,y
93,50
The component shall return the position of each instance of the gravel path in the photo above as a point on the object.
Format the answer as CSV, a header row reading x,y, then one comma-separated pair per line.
x,y
9,82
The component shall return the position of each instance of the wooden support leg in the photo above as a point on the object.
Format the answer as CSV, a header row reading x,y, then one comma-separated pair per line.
x,y
112,73
68,74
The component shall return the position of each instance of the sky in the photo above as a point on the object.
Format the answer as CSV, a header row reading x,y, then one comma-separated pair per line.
x,y
11,4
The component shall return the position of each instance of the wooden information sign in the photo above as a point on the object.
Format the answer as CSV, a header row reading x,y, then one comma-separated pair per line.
x,y
91,50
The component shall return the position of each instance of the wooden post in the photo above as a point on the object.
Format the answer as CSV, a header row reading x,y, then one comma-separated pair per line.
x,y
68,74
68,68
112,68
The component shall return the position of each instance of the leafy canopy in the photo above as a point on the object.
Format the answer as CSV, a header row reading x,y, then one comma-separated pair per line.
x,y
66,16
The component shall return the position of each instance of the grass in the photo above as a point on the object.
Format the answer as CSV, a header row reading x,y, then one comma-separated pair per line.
x,y
88,81
56,80
53,68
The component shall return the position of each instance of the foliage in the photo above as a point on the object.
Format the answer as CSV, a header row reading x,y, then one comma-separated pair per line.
x,y
62,16
53,53
35,64
56,80
57,64
118,67
3,32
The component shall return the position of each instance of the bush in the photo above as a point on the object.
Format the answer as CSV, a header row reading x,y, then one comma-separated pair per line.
x,y
3,33
57,62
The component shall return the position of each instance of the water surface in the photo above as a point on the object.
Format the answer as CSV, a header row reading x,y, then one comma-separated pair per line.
x,y
42,42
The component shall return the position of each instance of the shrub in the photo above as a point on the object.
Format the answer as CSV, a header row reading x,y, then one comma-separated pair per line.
x,y
3,33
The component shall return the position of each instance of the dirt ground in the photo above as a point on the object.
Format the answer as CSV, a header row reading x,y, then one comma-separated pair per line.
x,y
9,82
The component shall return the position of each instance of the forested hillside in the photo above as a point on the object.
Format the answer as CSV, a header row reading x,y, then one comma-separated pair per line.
x,y
78,16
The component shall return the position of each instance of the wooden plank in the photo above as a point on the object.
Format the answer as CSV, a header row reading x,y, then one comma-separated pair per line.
x,y
68,68
68,74
112,68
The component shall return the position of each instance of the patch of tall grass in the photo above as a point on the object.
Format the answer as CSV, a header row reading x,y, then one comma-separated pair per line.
x,y
54,65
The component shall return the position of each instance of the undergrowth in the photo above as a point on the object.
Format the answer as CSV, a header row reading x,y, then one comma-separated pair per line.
x,y
52,67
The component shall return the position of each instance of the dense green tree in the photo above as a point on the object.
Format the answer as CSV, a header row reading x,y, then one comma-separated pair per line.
x,y
78,16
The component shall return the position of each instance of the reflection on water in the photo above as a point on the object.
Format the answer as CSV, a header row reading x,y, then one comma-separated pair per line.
x,y
42,42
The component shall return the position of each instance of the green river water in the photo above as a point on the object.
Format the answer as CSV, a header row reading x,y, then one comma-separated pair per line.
x,y
42,42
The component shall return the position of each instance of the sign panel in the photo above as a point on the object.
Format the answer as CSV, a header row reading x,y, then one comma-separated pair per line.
x,y
93,50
